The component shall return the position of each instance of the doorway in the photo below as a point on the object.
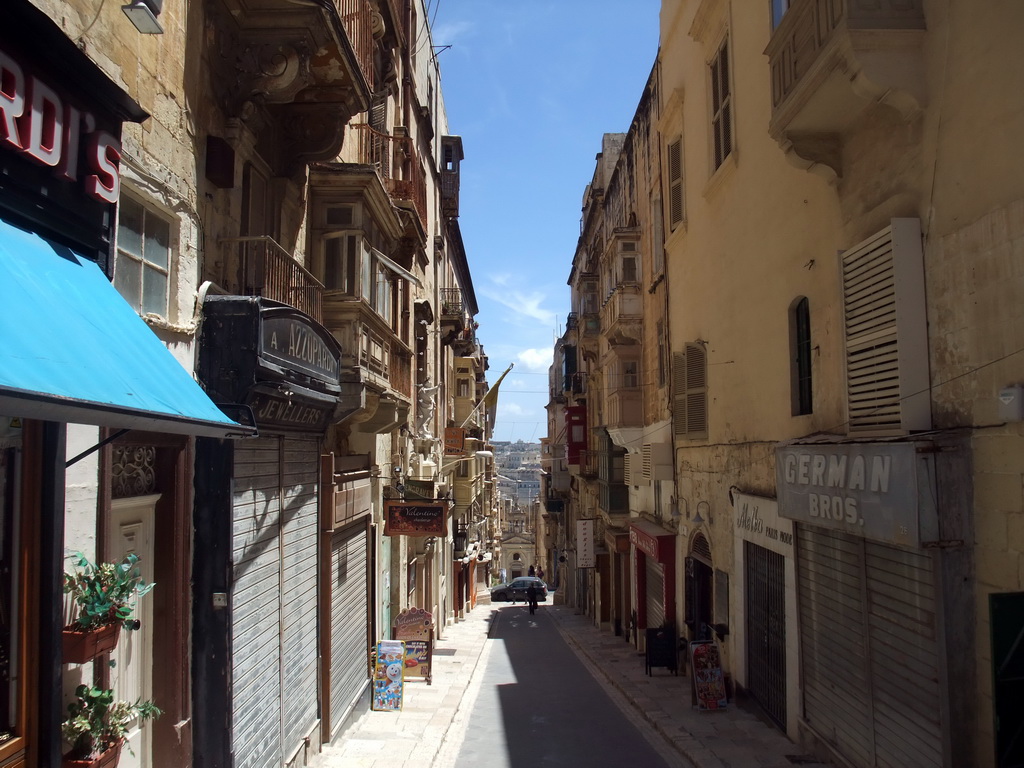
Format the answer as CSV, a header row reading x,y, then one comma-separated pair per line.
x,y
131,676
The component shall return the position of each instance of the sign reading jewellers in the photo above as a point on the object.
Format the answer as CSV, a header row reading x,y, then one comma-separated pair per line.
x,y
867,490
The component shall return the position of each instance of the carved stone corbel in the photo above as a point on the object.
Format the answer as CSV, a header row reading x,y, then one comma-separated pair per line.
x,y
819,153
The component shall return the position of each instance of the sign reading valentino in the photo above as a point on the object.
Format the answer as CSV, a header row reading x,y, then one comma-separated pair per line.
x,y
415,518
868,490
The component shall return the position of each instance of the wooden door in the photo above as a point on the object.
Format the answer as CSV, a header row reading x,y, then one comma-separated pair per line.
x,y
131,532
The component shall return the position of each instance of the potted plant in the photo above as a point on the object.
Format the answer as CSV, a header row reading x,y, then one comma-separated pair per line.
x,y
97,725
104,595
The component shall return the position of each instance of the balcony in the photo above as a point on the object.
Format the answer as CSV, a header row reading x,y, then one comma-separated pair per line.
x,y
589,461
623,315
830,59
451,307
575,383
268,270
307,66
396,161
625,408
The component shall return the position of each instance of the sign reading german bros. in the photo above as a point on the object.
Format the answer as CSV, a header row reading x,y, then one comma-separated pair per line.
x,y
415,518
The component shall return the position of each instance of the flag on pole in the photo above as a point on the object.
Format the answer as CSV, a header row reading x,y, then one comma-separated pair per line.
x,y
490,402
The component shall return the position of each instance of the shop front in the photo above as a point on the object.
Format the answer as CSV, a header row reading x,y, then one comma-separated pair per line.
x,y
654,559
879,532
764,624
258,539
73,352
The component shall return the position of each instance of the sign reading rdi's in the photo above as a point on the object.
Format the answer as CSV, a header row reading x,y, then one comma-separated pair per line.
x,y
868,490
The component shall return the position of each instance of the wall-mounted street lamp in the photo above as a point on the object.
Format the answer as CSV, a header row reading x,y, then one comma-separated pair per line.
x,y
143,15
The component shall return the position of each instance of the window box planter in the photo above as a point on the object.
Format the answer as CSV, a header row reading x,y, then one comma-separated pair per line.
x,y
107,759
82,646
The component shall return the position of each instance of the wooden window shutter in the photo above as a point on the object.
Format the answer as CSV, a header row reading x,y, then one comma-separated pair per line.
x,y
627,469
675,183
696,391
886,389
648,462
679,394
690,392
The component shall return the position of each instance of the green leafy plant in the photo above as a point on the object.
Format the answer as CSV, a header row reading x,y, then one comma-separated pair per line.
x,y
105,593
96,722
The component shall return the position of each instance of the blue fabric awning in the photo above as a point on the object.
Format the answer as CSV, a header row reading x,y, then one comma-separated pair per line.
x,y
72,350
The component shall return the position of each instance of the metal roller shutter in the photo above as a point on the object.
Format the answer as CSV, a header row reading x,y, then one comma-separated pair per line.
x,y
256,606
349,621
904,657
299,538
869,650
655,592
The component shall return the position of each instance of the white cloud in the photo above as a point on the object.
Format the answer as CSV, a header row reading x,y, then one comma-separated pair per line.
x,y
535,359
527,305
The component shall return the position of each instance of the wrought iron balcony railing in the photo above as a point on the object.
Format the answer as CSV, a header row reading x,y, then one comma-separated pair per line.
x,y
268,270
392,156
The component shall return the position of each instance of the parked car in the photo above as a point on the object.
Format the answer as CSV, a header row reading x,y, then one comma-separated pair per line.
x,y
515,590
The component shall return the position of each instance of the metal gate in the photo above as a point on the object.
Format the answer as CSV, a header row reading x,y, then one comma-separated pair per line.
x,y
869,648
349,621
766,630
655,592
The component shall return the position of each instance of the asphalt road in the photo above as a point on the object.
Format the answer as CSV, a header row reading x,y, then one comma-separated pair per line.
x,y
538,705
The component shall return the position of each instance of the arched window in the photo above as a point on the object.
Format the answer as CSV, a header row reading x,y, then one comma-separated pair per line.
x,y
800,356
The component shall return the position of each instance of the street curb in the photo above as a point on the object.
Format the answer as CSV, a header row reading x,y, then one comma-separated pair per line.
x,y
474,662
582,651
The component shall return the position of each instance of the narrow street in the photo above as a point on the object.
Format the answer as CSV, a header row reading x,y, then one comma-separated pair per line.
x,y
539,705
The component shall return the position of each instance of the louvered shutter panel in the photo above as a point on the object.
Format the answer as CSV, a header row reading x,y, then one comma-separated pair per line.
x,y
648,462
679,394
872,352
675,183
696,391
627,471
886,334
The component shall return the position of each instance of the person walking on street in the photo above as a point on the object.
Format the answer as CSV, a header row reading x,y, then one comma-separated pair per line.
x,y
531,597
531,571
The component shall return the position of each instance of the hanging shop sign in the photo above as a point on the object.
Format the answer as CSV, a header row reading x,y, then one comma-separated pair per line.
x,y
869,490
415,518
653,540
585,554
454,441
293,342
389,676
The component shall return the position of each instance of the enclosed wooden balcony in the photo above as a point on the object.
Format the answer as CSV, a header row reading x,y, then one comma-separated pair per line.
x,y
622,315
831,59
268,270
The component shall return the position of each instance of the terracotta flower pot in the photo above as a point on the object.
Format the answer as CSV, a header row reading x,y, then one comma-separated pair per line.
x,y
107,759
80,647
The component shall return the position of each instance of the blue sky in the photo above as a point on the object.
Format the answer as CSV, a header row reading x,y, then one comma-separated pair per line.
x,y
531,86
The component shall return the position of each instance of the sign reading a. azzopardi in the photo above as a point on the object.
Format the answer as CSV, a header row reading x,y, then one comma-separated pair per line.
x,y
415,518
866,489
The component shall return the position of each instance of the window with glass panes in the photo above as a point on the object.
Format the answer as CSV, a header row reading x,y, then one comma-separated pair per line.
x,y
721,105
143,257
